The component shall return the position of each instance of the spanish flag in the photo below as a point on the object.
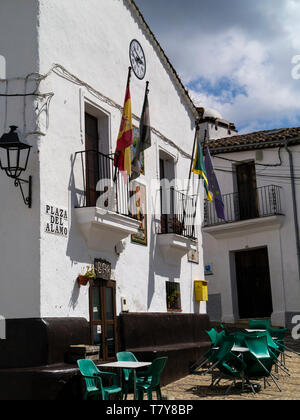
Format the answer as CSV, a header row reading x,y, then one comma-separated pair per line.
x,y
199,168
122,159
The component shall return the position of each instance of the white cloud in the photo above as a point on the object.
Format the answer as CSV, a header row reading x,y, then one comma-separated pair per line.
x,y
251,45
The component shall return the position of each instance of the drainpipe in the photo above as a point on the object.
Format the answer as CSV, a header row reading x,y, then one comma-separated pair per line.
x,y
292,173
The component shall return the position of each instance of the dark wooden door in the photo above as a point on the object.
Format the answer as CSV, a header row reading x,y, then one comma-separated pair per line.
x,y
103,318
91,161
167,195
253,283
247,191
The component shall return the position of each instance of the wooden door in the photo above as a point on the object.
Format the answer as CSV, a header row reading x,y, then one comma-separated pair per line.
x,y
103,318
247,191
91,161
167,176
253,283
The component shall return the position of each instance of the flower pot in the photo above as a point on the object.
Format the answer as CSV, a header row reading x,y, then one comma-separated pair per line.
x,y
82,280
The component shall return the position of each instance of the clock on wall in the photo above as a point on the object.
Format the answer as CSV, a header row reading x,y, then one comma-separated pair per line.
x,y
137,59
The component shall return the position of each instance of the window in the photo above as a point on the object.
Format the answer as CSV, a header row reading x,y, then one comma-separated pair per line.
x,y
173,296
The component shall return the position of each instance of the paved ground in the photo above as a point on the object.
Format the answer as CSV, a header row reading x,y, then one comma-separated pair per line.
x,y
196,387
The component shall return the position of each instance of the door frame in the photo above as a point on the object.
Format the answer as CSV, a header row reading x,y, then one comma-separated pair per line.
x,y
235,290
104,322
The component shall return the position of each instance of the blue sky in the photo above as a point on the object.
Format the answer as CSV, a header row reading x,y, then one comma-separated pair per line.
x,y
234,56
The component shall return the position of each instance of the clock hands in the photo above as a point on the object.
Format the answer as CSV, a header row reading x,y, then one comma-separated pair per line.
x,y
137,57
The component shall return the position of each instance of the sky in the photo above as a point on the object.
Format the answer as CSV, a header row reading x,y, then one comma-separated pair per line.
x,y
239,57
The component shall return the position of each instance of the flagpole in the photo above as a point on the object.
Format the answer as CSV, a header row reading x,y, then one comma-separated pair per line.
x,y
197,195
197,123
118,153
138,147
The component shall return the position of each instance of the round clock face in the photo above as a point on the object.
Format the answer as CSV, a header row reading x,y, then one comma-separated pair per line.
x,y
137,59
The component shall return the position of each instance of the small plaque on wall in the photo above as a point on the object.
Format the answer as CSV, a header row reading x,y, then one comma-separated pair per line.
x,y
103,269
193,256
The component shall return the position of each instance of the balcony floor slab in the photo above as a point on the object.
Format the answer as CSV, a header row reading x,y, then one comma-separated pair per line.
x,y
104,229
228,230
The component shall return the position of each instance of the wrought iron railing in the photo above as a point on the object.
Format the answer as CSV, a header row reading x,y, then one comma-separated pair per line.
x,y
178,212
262,202
102,184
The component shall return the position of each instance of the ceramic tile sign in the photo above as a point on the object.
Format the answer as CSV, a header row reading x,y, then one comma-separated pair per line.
x,y
57,221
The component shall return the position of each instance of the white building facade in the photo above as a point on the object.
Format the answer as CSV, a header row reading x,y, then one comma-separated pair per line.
x,y
252,259
64,87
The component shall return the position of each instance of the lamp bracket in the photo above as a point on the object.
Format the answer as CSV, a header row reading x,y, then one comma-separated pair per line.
x,y
18,183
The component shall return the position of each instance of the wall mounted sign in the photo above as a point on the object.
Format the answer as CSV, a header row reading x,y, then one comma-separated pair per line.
x,y
57,223
193,256
102,269
208,270
138,209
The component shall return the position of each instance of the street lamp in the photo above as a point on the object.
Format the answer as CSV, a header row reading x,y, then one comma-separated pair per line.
x,y
14,157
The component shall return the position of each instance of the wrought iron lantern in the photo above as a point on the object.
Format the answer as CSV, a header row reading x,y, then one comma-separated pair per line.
x,y
14,157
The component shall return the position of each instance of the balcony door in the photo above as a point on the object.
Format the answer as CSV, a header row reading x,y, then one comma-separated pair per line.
x,y
103,317
167,177
247,191
91,161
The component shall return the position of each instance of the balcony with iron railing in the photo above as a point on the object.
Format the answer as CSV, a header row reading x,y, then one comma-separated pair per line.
x,y
261,203
176,227
103,210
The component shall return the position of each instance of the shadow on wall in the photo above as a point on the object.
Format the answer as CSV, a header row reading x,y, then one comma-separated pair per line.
x,y
157,265
77,248
214,307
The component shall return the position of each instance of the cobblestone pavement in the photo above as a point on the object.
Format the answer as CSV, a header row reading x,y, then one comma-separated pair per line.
x,y
196,387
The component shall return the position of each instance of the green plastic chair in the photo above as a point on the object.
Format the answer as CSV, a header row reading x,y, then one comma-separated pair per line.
x,y
213,336
216,340
221,352
227,332
127,385
231,367
151,382
259,324
94,388
260,360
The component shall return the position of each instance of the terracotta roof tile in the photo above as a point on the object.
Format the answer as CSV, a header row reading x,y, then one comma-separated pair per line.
x,y
257,140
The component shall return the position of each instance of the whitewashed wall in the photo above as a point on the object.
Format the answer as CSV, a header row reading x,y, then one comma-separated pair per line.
x,y
215,131
281,241
91,39
19,226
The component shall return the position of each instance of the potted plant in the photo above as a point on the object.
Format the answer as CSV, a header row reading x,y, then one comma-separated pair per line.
x,y
89,274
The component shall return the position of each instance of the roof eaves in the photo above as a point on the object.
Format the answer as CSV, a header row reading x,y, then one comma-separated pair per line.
x,y
164,56
292,141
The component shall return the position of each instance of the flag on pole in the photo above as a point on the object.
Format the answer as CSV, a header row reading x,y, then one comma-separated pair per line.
x,y
213,185
199,168
144,141
122,159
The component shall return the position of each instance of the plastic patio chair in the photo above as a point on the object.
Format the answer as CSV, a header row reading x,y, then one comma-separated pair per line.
x,y
152,381
227,332
280,334
279,338
259,324
260,360
231,367
94,388
127,385
221,352
272,345
216,340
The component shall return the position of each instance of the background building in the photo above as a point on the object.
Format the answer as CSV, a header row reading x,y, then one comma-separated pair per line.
x,y
252,259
